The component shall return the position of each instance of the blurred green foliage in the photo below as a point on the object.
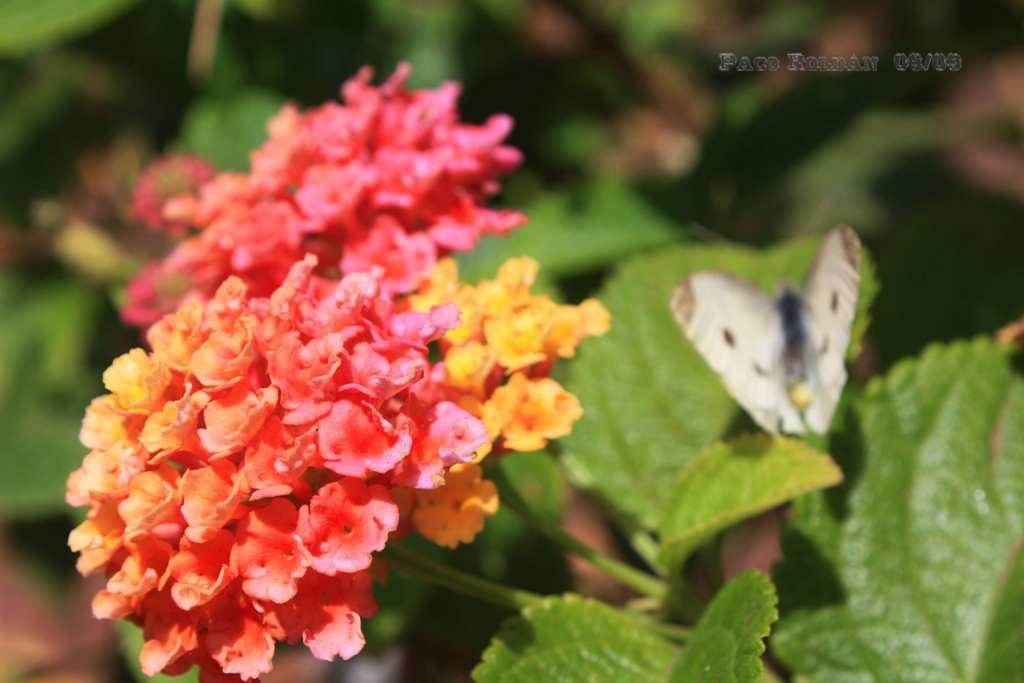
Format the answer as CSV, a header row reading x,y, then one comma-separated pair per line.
x,y
639,152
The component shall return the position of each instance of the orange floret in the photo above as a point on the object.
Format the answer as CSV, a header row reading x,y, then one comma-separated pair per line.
x,y
176,337
570,324
532,411
234,418
211,496
138,381
518,334
455,512
143,570
152,500
97,538
174,425
201,570
104,425
225,357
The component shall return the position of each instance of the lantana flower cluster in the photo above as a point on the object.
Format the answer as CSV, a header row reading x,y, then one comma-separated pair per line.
x,y
244,471
387,178
291,418
240,473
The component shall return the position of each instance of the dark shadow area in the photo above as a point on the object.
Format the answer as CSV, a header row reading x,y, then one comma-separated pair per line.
x,y
950,269
805,579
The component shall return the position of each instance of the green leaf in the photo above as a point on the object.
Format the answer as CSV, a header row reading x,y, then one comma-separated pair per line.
x,y
925,557
29,24
573,234
651,403
732,481
44,387
727,643
708,657
40,448
570,639
130,638
538,481
41,341
224,130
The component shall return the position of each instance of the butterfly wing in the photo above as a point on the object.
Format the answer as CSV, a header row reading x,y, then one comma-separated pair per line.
x,y
736,328
830,297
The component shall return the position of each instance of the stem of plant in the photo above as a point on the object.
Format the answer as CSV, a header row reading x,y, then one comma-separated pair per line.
x,y
414,564
672,631
646,547
639,581
205,35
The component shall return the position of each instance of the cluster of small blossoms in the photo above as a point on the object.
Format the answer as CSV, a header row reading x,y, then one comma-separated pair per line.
x,y
495,366
287,424
387,178
241,473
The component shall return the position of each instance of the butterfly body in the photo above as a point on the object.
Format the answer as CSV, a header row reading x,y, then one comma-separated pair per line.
x,y
781,358
794,334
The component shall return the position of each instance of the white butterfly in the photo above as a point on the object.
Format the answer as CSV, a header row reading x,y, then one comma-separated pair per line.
x,y
782,358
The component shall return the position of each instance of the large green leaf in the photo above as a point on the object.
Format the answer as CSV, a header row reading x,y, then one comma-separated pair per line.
x,y
727,643
734,480
570,234
568,639
225,130
651,403
923,578
538,481
28,24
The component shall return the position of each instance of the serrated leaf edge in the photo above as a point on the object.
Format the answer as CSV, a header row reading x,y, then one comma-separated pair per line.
x,y
766,588
525,613
529,612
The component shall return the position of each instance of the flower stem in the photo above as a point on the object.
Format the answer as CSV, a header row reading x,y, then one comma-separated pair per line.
x,y
646,547
414,564
205,34
639,581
